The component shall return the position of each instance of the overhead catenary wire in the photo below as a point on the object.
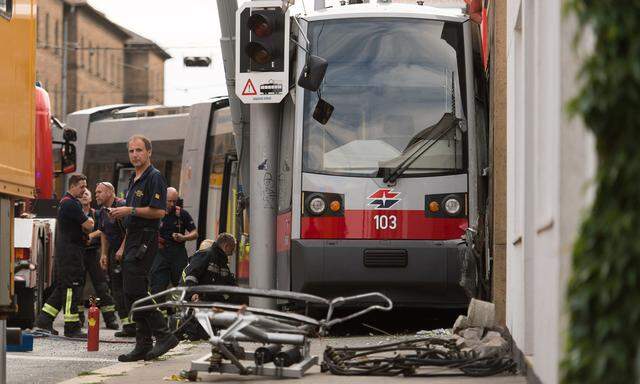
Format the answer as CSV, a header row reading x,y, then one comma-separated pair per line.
x,y
145,47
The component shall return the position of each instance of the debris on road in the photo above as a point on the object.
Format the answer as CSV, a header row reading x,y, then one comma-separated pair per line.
x,y
440,332
421,357
473,347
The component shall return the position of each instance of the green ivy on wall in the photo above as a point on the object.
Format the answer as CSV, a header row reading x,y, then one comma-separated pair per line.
x,y
604,289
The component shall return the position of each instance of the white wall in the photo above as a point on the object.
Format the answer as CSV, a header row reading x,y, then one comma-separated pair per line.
x,y
550,160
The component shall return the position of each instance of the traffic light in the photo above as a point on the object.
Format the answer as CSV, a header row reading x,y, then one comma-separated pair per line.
x,y
197,61
262,52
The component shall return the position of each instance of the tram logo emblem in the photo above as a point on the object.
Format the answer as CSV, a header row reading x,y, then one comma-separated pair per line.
x,y
384,198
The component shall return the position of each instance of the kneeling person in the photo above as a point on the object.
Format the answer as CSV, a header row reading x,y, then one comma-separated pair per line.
x,y
208,266
211,267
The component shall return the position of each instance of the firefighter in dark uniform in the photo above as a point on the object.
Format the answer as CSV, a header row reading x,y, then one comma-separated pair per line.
x,y
146,203
176,228
71,228
208,266
211,267
95,273
112,234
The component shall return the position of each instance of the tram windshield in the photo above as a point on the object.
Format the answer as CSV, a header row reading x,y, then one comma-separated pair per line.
x,y
388,79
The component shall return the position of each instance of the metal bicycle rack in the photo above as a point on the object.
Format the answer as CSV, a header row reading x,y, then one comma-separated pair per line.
x,y
285,336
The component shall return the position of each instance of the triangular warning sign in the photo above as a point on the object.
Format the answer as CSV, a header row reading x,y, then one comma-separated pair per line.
x,y
249,89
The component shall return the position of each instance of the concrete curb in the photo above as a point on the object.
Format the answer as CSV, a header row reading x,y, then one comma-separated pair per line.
x,y
121,369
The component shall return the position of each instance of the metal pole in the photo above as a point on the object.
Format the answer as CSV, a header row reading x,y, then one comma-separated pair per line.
x,y
65,43
3,351
239,112
263,199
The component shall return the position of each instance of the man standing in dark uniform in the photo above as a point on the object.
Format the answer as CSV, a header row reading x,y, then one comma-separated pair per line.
x,y
176,228
112,233
146,203
71,228
92,265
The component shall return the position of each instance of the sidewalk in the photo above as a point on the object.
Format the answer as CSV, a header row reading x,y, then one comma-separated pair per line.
x,y
180,358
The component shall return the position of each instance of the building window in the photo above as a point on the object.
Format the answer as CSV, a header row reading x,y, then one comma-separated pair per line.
x,y
98,62
56,37
104,64
5,8
119,77
38,27
112,69
90,58
46,29
81,52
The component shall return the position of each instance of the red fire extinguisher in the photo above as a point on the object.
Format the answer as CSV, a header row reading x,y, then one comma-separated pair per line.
x,y
93,337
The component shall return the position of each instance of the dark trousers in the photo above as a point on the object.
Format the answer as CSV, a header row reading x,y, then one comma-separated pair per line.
x,y
135,273
99,281
115,280
167,267
69,278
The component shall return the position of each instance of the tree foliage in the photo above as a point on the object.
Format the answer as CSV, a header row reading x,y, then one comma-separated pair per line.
x,y
604,293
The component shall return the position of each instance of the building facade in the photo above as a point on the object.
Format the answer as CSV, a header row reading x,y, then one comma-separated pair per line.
x,y
50,22
144,71
550,167
102,58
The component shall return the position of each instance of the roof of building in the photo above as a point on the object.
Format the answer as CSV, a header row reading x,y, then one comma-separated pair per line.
x,y
84,5
141,41
132,38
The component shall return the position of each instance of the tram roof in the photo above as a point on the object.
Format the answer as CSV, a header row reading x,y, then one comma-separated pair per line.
x,y
389,9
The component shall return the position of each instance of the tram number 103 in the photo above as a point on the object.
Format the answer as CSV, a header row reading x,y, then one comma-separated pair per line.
x,y
385,222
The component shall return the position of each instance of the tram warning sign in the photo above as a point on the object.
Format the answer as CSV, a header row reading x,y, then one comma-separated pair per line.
x,y
249,89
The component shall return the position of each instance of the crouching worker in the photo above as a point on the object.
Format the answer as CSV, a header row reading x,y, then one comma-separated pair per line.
x,y
208,266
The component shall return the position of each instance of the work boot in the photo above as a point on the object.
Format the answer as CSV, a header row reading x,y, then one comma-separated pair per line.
x,y
165,340
110,321
144,343
44,323
128,330
74,331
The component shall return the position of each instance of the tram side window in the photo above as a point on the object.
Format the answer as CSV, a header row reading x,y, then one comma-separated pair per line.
x,y
285,161
5,8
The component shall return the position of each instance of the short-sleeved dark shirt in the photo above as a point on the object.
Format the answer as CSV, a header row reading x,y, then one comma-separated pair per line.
x,y
150,190
171,224
70,220
113,229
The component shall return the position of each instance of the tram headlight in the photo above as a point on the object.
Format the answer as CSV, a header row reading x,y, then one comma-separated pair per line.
x,y
321,204
452,205
317,205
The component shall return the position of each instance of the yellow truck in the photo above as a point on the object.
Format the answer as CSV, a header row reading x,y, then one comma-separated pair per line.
x,y
17,136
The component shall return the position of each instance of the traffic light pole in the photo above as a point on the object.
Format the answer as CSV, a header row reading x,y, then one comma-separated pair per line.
x,y
263,199
262,81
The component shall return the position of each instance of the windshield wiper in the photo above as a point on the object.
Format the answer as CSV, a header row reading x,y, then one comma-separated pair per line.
x,y
430,136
